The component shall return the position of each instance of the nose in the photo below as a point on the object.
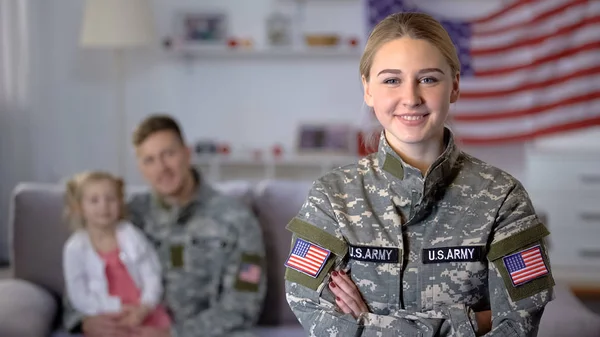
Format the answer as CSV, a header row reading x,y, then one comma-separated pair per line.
x,y
411,96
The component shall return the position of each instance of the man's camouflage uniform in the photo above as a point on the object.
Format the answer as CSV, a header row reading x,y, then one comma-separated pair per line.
x,y
425,253
212,255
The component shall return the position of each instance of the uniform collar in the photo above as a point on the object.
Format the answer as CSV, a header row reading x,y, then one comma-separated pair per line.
x,y
439,174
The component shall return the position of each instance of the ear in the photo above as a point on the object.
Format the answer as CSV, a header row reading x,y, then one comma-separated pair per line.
x,y
455,89
367,91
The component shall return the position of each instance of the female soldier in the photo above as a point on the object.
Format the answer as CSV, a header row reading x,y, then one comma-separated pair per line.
x,y
419,237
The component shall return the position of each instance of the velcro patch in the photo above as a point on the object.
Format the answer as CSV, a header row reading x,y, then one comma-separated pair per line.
x,y
453,254
525,266
374,254
249,273
307,258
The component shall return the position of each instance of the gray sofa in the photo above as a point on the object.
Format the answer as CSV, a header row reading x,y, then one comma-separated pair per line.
x,y
29,301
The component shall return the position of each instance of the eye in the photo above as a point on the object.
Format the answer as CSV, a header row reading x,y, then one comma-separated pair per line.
x,y
391,81
429,80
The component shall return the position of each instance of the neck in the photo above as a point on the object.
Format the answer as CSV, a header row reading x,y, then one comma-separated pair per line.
x,y
101,233
186,193
420,156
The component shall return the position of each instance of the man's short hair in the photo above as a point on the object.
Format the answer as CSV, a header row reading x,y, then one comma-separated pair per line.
x,y
153,124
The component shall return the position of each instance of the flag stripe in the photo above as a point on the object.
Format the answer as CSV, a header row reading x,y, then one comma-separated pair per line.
x,y
502,12
527,17
516,41
526,103
550,80
530,59
585,61
518,125
500,136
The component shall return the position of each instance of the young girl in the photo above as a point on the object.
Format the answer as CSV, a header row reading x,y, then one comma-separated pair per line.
x,y
109,265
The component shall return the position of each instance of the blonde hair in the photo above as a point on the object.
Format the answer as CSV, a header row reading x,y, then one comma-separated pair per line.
x,y
74,194
418,26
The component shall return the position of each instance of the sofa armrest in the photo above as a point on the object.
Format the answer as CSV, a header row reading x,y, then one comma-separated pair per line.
x,y
25,309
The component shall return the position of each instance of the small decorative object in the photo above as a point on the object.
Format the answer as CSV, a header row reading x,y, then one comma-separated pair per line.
x,y
321,40
277,150
246,43
205,147
279,29
327,139
224,149
204,28
232,43
353,42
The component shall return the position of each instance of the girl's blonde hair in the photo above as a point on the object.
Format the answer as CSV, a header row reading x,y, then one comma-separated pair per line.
x,y
74,193
418,26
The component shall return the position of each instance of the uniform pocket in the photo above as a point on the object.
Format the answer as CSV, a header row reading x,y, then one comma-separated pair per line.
x,y
205,256
456,282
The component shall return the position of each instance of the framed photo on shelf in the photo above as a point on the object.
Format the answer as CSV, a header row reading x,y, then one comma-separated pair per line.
x,y
336,139
202,28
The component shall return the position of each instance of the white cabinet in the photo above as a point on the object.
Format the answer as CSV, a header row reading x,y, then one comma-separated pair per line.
x,y
219,168
563,181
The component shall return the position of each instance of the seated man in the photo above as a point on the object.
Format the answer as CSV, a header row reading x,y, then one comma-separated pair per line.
x,y
209,245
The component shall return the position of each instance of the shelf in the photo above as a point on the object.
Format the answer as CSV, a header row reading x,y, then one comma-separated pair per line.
x,y
220,52
302,167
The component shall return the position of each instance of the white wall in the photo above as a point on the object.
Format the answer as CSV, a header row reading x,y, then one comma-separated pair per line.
x,y
246,102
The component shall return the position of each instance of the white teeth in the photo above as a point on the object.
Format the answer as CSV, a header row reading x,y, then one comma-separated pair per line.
x,y
412,118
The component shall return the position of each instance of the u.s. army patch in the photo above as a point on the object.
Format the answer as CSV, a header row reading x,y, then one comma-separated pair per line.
x,y
525,266
307,258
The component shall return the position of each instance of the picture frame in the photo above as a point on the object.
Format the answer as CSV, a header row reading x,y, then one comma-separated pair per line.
x,y
202,28
330,139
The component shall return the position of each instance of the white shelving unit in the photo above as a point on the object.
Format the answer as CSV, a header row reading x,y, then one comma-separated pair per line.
x,y
222,168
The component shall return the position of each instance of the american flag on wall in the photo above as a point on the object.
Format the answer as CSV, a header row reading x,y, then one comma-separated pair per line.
x,y
530,69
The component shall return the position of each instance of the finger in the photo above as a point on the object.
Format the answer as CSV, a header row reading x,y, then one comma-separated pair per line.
x,y
344,281
348,287
343,306
349,300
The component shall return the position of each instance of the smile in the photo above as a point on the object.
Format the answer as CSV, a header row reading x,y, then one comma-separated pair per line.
x,y
413,117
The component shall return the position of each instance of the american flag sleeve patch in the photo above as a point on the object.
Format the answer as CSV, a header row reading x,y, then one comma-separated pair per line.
x,y
307,258
526,265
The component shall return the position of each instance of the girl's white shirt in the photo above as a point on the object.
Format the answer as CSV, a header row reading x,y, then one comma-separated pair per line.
x,y
85,277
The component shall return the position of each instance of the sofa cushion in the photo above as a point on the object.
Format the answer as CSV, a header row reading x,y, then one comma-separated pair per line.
x,y
38,233
276,203
567,316
25,309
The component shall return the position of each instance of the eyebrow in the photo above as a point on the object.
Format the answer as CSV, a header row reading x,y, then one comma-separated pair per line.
x,y
422,71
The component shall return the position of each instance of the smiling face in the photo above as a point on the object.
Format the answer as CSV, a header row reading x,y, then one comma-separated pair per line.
x,y
100,204
410,86
165,162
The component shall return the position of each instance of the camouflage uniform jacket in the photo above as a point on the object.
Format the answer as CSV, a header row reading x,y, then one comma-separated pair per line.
x,y
212,255
425,253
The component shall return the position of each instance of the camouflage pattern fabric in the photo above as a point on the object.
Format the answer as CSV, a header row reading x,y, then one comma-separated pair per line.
x,y
451,232
212,254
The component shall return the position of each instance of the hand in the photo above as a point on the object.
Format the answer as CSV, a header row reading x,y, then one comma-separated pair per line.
x,y
134,316
107,325
348,297
147,331
484,322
